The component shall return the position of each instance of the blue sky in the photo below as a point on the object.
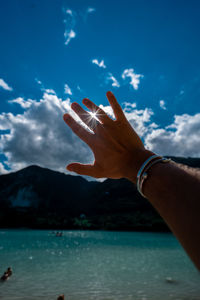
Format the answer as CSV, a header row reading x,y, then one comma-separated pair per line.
x,y
55,52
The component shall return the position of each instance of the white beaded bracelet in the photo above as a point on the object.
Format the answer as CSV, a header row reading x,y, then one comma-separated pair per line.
x,y
142,173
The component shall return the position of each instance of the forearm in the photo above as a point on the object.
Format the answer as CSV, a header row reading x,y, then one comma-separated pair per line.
x,y
174,191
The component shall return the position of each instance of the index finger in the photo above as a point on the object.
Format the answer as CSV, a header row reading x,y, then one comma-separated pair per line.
x,y
118,112
82,133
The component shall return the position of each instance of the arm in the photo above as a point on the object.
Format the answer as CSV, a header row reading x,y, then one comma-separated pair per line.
x,y
172,189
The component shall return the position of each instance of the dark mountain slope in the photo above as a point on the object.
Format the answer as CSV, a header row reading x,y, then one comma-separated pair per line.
x,y
39,197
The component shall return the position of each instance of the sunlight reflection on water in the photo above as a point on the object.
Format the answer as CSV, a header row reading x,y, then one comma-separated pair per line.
x,y
95,265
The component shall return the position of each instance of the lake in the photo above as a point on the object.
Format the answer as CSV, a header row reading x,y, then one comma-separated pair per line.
x,y
95,265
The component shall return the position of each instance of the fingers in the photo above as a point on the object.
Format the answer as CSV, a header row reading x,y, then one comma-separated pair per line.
x,y
87,118
82,169
82,133
99,113
115,106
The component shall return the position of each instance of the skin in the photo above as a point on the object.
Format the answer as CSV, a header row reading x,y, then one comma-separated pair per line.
x,y
119,153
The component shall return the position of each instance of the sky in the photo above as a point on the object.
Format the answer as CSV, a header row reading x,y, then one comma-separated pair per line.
x,y
53,53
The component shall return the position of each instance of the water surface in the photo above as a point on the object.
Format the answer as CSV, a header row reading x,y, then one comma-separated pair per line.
x,y
96,265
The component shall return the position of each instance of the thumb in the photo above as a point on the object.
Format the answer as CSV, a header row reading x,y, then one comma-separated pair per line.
x,y
82,169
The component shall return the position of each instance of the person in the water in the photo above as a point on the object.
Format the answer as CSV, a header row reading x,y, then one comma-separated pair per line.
x,y
5,276
173,189
9,271
61,297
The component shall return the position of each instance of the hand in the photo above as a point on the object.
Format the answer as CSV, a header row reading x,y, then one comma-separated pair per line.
x,y
118,150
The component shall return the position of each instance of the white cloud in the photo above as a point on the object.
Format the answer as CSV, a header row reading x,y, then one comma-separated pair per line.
x,y
181,138
22,102
162,104
140,120
38,81
69,22
135,78
129,106
49,91
115,83
40,136
67,89
87,12
69,12
90,10
4,85
2,169
100,64
69,34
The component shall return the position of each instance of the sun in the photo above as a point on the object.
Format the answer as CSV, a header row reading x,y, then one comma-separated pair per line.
x,y
93,115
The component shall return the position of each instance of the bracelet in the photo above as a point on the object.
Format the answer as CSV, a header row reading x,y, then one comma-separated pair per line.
x,y
142,173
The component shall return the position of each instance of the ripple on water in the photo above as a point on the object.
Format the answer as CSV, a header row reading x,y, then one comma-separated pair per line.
x,y
96,265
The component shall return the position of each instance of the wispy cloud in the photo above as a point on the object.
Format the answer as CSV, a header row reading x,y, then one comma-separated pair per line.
x,y
5,86
49,91
91,10
67,89
69,35
87,12
162,104
23,103
115,83
129,106
69,22
38,81
99,63
135,78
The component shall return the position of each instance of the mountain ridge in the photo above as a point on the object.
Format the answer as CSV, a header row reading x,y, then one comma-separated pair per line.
x,y
37,197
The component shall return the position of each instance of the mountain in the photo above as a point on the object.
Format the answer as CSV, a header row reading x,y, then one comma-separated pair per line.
x,y
41,198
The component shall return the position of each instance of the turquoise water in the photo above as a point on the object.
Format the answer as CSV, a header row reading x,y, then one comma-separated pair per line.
x,y
95,265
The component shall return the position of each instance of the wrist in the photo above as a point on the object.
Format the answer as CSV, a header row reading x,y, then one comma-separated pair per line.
x,y
134,162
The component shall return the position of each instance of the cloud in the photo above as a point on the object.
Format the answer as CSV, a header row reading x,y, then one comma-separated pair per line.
x,y
135,78
40,136
129,106
69,34
38,81
2,169
115,83
90,10
100,64
4,85
67,89
87,12
140,120
22,102
181,138
162,104
70,22
49,91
